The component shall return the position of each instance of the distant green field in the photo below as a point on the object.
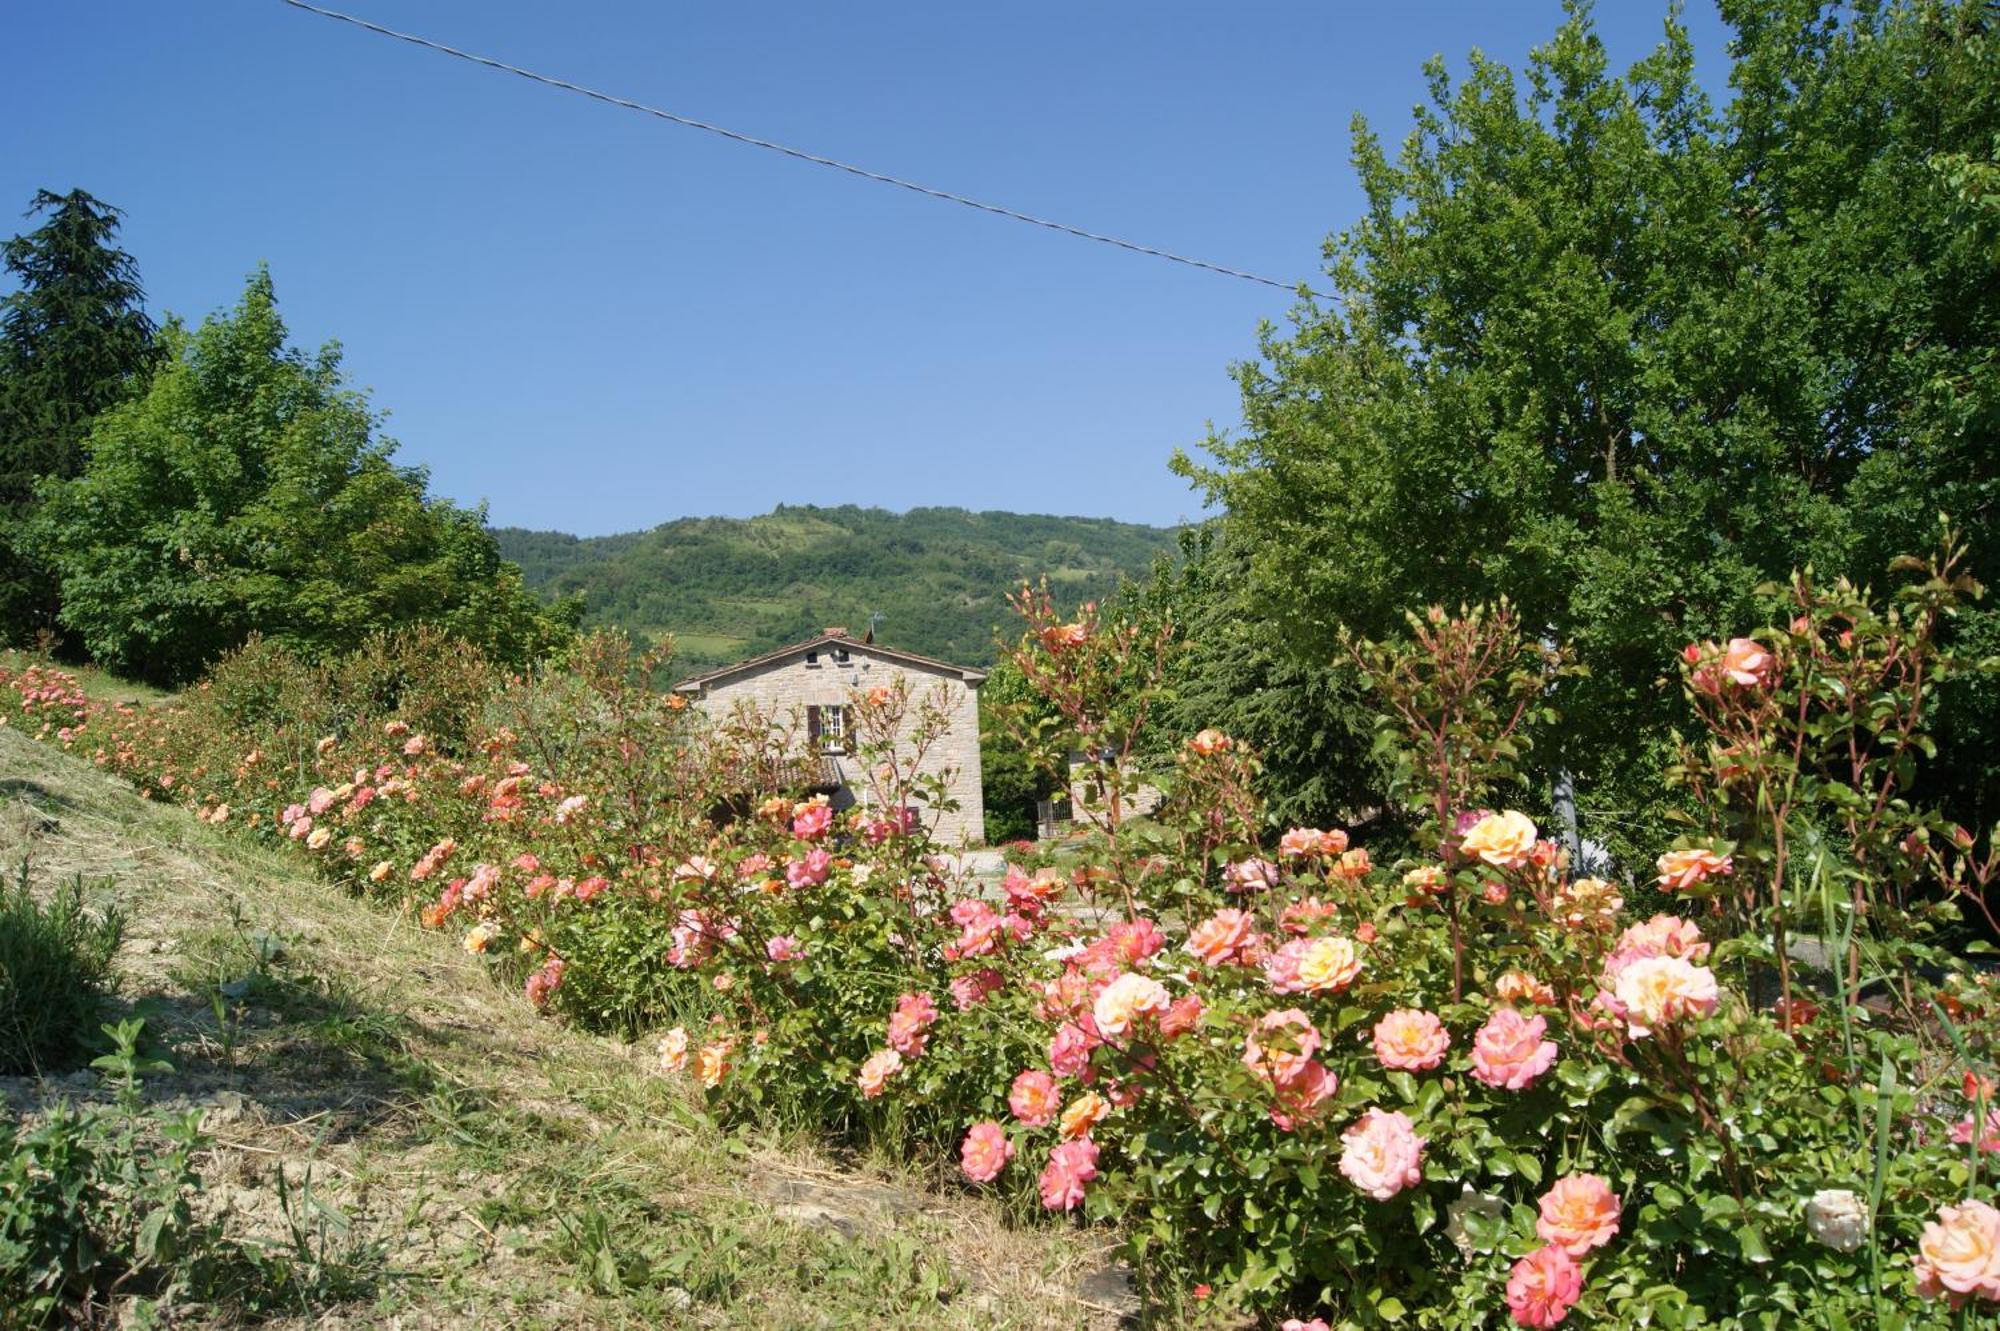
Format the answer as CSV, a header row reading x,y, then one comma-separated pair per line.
x,y
937,578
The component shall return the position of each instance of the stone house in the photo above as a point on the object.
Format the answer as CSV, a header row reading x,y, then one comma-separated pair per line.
x,y
814,684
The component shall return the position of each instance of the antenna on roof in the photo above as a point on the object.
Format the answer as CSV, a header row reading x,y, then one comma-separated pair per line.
x,y
875,617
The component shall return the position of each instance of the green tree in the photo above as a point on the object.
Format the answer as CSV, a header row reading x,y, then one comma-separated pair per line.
x,y
1622,356
247,491
74,339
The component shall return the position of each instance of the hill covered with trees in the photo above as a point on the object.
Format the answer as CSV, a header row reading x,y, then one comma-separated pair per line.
x,y
730,587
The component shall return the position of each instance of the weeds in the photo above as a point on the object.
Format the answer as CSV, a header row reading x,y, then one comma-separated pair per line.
x,y
55,970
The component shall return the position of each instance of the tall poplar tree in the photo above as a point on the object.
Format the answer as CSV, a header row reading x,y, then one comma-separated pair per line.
x,y
74,339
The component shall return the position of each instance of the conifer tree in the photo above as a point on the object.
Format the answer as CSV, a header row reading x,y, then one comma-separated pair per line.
x,y
74,339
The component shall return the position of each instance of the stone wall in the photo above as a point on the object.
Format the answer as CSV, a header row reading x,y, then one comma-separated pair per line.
x,y
784,688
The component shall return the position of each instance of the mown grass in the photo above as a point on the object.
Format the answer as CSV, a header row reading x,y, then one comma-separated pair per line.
x,y
427,1150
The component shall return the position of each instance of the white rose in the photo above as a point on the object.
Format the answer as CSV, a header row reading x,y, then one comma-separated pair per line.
x,y
1837,1218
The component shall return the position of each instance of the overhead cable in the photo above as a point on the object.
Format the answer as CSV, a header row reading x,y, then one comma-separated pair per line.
x,y
799,154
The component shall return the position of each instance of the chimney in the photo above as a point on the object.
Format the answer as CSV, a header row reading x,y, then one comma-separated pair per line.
x,y
836,631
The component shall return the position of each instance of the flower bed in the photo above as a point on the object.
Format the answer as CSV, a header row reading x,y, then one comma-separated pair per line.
x,y
1459,1085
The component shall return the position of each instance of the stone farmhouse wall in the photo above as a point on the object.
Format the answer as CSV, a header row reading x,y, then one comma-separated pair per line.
x,y
786,687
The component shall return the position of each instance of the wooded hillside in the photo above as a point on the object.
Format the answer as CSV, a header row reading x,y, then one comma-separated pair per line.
x,y
730,587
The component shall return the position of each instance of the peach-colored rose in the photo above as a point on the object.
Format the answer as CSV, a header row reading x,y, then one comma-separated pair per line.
x,y
985,1152
1661,936
381,871
1543,1286
1411,1039
1428,879
1311,841
1327,965
1223,937
1059,638
1682,870
1746,662
1281,1044
1182,1016
1127,1000
1381,1154
876,1071
1034,1098
712,1064
1082,1114
674,1050
1518,986
1579,1213
1209,742
1301,1096
1656,991
1958,1256
1588,903
1511,1051
1503,840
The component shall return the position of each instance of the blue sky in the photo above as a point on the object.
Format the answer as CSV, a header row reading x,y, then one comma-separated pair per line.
x,y
595,321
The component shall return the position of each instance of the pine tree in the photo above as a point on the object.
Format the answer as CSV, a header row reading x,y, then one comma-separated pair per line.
x,y
74,339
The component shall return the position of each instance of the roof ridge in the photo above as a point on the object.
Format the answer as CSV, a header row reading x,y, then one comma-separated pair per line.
x,y
969,674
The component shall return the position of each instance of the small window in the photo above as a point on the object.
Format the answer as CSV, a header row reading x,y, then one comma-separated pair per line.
x,y
812,660
840,656
826,729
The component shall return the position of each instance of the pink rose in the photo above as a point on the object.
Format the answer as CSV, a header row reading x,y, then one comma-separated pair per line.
x,y
1280,1045
1223,937
811,869
1579,1213
910,1022
1069,1050
875,1073
1071,1166
1381,1154
1411,1039
969,991
1543,1286
784,948
1034,1098
809,821
1963,1131
985,1152
1510,1050
1300,1098
1182,1016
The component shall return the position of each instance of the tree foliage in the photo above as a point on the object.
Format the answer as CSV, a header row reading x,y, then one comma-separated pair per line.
x,y
727,588
74,339
248,491
1622,355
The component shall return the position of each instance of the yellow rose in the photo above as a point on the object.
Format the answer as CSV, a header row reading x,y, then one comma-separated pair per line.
x,y
1503,840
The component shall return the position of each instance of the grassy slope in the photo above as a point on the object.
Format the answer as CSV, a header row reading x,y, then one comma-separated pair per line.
x,y
495,1168
727,587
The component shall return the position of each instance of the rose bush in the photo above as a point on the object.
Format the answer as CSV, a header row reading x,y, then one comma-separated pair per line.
x,y
1459,1086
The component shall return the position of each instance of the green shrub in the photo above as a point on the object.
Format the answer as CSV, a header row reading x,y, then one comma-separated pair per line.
x,y
55,966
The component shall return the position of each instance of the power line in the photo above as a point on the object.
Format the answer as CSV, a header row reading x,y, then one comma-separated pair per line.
x,y
798,153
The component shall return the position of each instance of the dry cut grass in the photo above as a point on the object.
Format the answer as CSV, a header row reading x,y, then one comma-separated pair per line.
x,y
437,1155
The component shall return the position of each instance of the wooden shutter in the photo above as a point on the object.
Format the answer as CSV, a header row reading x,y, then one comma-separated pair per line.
x,y
812,728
